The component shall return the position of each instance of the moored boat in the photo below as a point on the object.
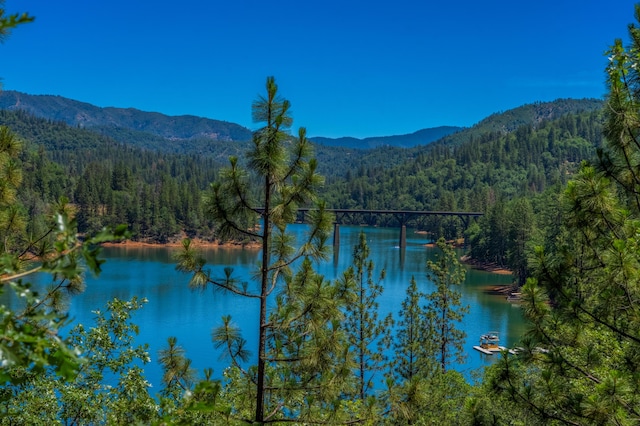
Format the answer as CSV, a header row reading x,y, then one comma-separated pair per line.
x,y
489,343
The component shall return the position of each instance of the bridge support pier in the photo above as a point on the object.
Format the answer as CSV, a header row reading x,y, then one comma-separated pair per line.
x,y
403,236
336,234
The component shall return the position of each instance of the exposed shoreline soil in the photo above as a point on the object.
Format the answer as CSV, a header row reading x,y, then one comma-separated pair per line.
x,y
483,266
195,242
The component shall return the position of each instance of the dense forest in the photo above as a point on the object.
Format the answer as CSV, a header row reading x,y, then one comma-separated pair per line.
x,y
102,176
159,193
561,208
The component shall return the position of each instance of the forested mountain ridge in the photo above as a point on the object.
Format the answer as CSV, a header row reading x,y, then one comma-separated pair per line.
x,y
190,134
83,114
472,175
530,114
179,134
155,186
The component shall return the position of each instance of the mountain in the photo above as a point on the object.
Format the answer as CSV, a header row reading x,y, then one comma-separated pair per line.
x,y
152,130
421,137
526,115
81,114
120,174
190,134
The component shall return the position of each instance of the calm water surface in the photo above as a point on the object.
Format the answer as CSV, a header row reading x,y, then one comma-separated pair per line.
x,y
174,310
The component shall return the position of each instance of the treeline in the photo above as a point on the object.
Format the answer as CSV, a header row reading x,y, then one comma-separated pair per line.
x,y
479,175
158,195
473,175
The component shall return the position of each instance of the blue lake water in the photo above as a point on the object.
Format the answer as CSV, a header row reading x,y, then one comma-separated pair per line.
x,y
174,310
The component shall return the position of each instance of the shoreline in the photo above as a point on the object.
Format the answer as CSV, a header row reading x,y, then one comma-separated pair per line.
x,y
195,242
487,267
216,244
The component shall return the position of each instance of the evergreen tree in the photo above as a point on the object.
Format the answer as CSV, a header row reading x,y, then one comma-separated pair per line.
x,y
414,344
294,329
521,229
580,362
368,335
445,308
419,390
9,22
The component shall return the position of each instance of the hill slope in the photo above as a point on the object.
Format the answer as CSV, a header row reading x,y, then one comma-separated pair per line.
x,y
190,134
158,191
82,114
527,115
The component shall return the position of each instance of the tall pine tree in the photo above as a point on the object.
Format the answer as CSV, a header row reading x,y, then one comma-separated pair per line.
x,y
299,313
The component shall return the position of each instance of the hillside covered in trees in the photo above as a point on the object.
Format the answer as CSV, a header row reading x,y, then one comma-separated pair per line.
x,y
158,191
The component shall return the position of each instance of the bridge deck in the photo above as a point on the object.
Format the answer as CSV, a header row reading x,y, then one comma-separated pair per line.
x,y
402,216
405,212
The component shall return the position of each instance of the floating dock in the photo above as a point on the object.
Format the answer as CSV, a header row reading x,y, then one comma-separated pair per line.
x,y
489,343
489,351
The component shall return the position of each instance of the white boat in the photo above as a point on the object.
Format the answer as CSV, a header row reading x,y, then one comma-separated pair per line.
x,y
490,343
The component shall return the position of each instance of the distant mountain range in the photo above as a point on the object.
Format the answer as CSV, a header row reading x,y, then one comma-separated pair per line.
x,y
421,137
184,127
154,130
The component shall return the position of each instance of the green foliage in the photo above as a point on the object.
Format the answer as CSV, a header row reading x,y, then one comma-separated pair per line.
x,y
414,342
368,335
106,387
420,390
437,399
9,22
505,235
445,309
483,169
579,362
157,195
29,336
301,357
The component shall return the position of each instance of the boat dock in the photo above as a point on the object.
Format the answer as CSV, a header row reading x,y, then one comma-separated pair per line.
x,y
489,352
489,343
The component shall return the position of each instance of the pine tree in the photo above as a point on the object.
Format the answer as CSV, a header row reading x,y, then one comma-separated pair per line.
x,y
580,361
368,335
419,389
445,308
294,330
413,345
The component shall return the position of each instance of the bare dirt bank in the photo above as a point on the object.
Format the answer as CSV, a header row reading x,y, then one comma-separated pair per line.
x,y
195,242
483,266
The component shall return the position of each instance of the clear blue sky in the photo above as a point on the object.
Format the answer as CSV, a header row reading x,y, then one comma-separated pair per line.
x,y
350,67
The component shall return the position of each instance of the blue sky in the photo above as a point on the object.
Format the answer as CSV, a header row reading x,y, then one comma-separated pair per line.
x,y
349,67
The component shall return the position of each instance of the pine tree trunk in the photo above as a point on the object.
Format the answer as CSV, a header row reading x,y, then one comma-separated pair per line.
x,y
264,285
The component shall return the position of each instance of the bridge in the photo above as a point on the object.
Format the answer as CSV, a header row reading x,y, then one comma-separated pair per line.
x,y
402,217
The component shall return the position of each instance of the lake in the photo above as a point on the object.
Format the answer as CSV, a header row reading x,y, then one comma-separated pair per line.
x,y
174,310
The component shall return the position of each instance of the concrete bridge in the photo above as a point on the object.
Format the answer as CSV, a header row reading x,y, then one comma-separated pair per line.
x,y
402,217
